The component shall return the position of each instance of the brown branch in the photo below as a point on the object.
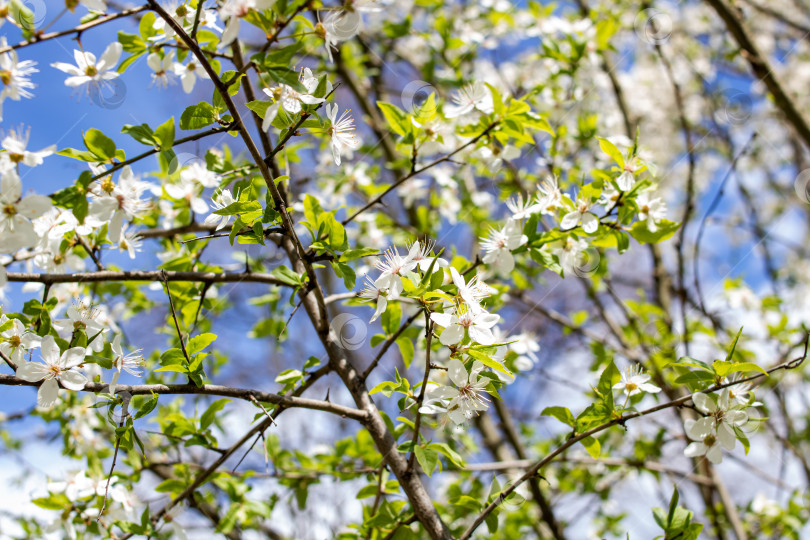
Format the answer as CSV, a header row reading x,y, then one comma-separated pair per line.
x,y
418,421
151,275
77,30
210,390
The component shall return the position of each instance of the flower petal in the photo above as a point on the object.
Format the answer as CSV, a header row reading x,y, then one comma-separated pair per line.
x,y
31,371
72,380
47,394
457,372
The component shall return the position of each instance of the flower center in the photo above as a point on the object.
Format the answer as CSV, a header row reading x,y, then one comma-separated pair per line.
x,y
15,158
631,386
79,325
191,66
58,259
709,440
91,71
107,184
181,10
10,210
14,341
5,76
320,30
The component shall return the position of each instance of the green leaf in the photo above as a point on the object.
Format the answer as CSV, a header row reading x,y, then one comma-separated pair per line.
x,y
406,349
198,343
489,362
734,345
210,413
286,276
642,234
147,406
198,116
592,445
452,455
396,118
56,501
165,134
428,459
351,254
99,145
560,413
172,357
259,107
610,149
143,134
610,376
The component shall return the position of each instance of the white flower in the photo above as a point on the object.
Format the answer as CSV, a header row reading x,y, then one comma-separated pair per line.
x,y
219,201
610,196
393,268
131,362
372,293
188,74
738,393
16,229
87,71
129,241
569,253
472,292
80,317
15,144
525,346
189,190
113,203
715,430
17,340
15,76
231,11
634,381
466,401
478,325
198,172
521,210
549,197
471,97
627,179
651,210
162,68
338,26
342,132
499,246
494,156
424,257
57,365
52,260
94,5
580,214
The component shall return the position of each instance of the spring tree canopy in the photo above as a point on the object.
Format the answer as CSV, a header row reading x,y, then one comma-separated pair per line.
x,y
396,269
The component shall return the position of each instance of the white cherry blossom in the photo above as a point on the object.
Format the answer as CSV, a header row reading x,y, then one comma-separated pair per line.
x,y
471,97
89,72
341,131
499,245
57,366
477,325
